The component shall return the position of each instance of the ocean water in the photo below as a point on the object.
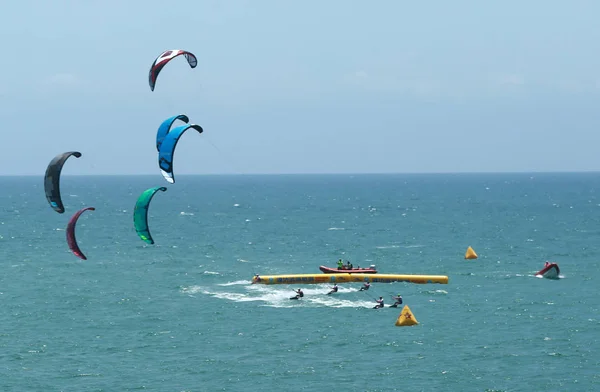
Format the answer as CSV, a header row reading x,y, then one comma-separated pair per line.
x,y
181,315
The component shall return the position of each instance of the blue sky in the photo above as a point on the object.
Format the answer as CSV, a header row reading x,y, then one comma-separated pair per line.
x,y
303,87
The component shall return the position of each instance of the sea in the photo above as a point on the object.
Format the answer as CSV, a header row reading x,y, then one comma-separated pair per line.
x,y
182,314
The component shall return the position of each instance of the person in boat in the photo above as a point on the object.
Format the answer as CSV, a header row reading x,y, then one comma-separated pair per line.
x,y
340,264
334,289
257,278
398,300
299,294
379,303
365,287
348,265
546,264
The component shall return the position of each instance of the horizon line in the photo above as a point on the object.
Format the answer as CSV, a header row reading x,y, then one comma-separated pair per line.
x,y
320,174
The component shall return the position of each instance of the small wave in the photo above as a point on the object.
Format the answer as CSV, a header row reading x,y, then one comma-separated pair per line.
x,y
444,292
211,273
243,260
340,303
237,282
541,277
388,247
336,228
279,297
183,213
236,205
282,299
193,290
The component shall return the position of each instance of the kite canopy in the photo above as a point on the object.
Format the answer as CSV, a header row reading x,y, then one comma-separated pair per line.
x,y
71,240
165,127
167,149
164,58
140,213
52,180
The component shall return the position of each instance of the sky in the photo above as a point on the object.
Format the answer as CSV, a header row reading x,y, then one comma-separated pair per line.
x,y
336,86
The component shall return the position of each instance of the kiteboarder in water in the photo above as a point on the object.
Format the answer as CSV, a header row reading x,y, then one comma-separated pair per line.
x,y
299,294
379,303
334,289
398,301
366,286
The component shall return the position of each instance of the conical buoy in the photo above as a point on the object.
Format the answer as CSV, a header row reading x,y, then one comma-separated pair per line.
x,y
406,318
470,254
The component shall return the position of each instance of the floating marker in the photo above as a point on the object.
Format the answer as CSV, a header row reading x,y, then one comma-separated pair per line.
x,y
470,254
406,318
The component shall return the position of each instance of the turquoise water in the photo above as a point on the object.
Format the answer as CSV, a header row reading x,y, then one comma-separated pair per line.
x,y
182,315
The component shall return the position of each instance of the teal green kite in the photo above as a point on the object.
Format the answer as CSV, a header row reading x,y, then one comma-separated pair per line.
x,y
140,213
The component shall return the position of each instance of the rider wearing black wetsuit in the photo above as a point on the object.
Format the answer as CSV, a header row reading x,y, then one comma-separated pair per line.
x,y
299,294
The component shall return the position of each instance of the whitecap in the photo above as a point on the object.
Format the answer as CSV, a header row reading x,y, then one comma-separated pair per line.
x,y
387,246
236,283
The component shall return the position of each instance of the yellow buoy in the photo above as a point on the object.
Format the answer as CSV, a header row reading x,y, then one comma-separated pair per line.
x,y
406,318
470,254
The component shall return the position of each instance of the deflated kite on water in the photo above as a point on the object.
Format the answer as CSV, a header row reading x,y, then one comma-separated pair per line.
x,y
164,58
71,233
140,213
165,127
52,180
167,149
